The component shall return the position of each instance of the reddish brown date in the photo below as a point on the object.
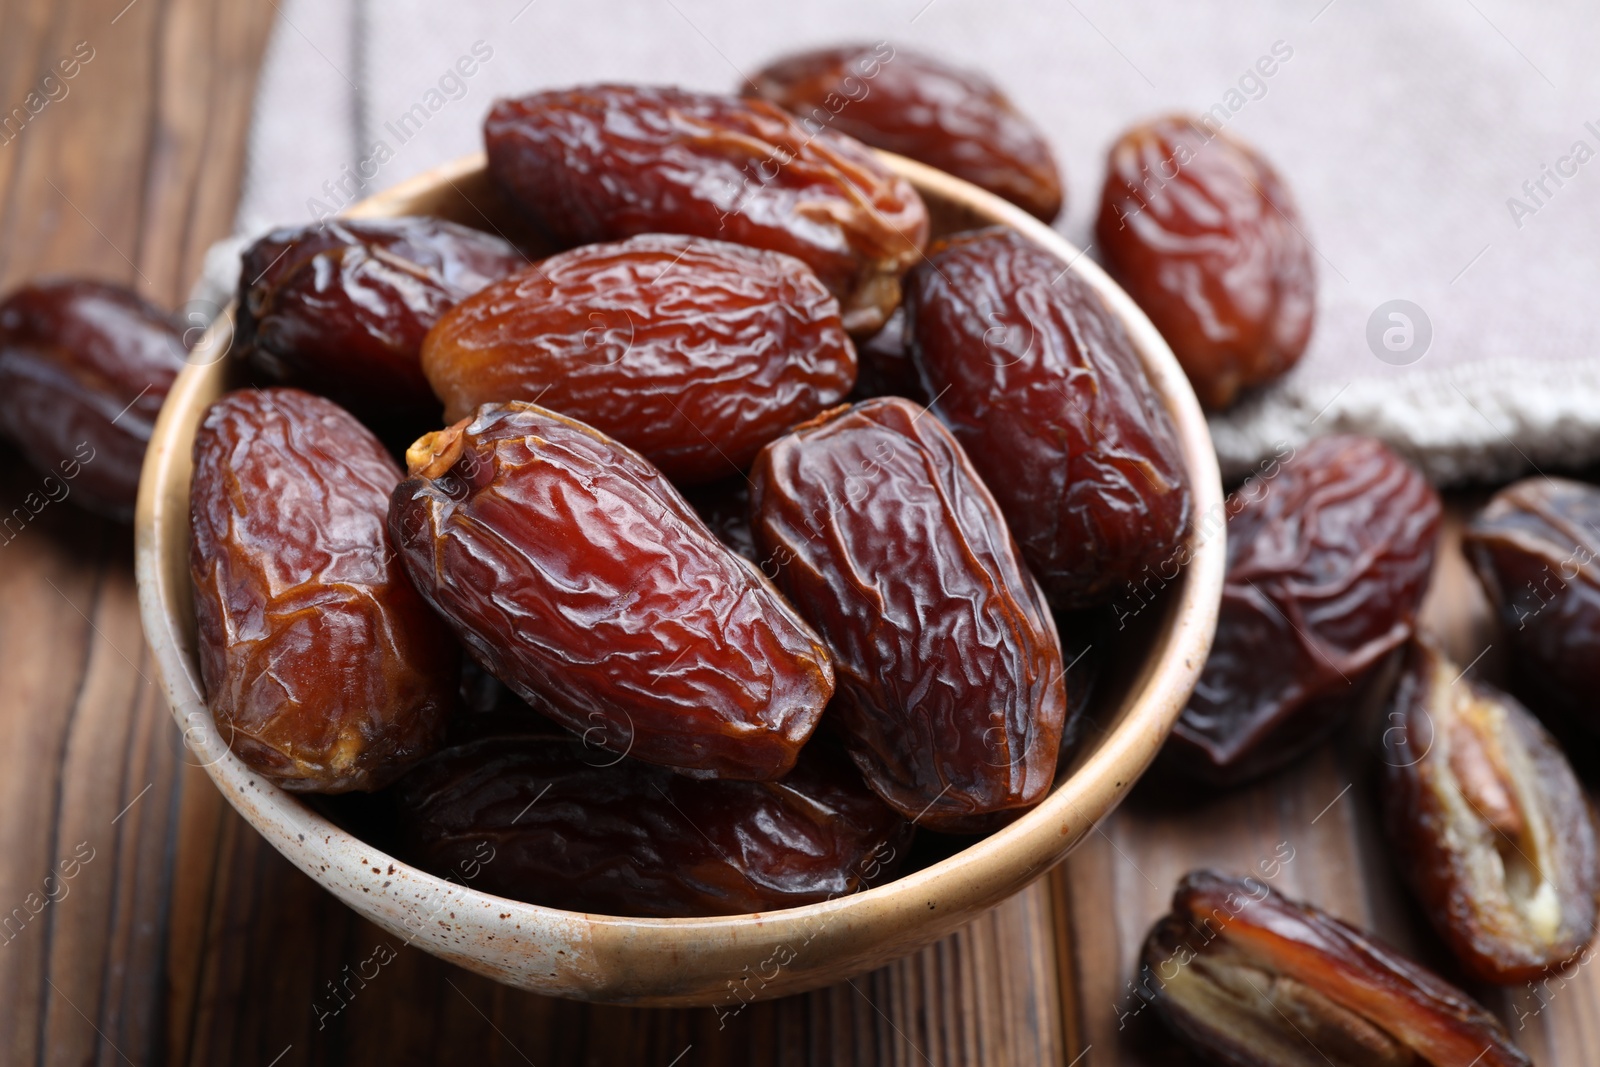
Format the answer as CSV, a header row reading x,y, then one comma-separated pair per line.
x,y
323,668
1488,822
608,161
84,368
1536,548
341,308
923,108
951,696
693,352
1329,553
576,574
552,821
1249,978
1040,383
1203,234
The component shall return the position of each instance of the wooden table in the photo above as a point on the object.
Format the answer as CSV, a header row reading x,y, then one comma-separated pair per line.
x,y
184,939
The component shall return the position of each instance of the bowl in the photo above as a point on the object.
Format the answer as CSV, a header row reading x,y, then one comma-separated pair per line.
x,y
729,959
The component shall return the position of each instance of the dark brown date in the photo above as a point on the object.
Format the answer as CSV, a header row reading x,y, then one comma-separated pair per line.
x,y
574,572
693,352
1536,549
951,697
1040,383
1249,978
1329,553
923,108
608,161
323,668
84,369
1488,822
341,308
1203,234
553,821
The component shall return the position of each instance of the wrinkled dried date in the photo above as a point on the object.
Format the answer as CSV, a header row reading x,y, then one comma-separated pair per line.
x,y
951,697
923,108
1040,383
608,161
1327,565
84,369
691,351
1536,549
576,574
1251,979
553,821
323,668
341,308
1202,233
1489,823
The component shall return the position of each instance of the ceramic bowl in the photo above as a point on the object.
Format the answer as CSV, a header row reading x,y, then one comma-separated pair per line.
x,y
697,961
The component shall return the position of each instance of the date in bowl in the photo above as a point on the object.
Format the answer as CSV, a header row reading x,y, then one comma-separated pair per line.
x,y
1160,643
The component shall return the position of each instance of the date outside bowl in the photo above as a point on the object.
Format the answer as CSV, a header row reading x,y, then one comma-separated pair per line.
x,y
684,962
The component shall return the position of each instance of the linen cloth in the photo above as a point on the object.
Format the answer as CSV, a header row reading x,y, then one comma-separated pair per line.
x,y
1443,153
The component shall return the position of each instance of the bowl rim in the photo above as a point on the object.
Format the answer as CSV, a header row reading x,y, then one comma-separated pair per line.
x,y
975,877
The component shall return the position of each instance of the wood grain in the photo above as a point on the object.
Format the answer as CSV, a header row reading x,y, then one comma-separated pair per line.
x,y
179,937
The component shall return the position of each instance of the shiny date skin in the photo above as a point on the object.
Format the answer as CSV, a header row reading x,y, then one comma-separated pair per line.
x,y
1536,549
691,351
712,166
951,696
554,821
574,572
924,109
1041,385
84,369
1248,978
341,308
1203,234
1489,823
323,668
1327,565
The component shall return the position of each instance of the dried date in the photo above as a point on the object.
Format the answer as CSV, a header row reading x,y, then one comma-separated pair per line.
x,y
691,351
84,369
1488,822
1205,237
574,572
1536,548
1203,234
341,308
323,668
553,821
1249,978
1040,383
1329,554
602,162
923,108
951,695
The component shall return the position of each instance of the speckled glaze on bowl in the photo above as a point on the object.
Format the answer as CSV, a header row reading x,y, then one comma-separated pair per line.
x,y
694,961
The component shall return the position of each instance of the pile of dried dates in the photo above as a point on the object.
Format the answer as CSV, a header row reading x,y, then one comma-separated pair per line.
x,y
691,560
